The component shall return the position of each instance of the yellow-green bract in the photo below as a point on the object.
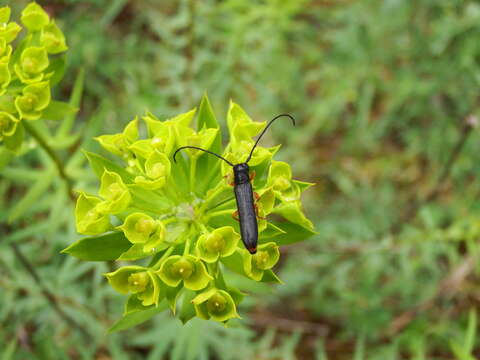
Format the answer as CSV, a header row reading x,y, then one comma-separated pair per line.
x,y
29,67
176,218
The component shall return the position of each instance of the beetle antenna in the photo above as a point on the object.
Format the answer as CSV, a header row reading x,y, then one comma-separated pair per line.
x,y
265,129
194,147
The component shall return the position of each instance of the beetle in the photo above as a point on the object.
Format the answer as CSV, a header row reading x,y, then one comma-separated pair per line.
x,y
244,194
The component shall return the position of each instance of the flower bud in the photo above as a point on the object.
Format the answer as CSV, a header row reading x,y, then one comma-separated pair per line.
x,y
115,192
8,30
34,100
136,280
142,229
266,257
34,17
279,176
52,39
88,220
157,170
237,155
219,243
33,61
215,304
188,269
8,124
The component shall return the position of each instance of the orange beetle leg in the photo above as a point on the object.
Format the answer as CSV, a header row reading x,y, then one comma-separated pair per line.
x,y
235,215
256,212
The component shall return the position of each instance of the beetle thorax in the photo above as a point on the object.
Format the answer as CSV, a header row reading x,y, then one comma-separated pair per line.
x,y
241,173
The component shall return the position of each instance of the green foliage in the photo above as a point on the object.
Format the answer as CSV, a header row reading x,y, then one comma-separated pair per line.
x,y
175,218
26,69
380,91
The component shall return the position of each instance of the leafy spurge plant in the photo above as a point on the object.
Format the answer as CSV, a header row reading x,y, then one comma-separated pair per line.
x,y
174,220
28,69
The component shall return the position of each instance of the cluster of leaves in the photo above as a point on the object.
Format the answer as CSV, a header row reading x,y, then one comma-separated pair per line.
x,y
28,70
180,215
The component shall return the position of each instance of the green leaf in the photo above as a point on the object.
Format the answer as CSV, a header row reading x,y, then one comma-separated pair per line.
x,y
303,185
57,67
270,277
32,195
471,331
137,317
148,200
206,164
6,156
293,233
14,142
99,164
236,294
137,252
187,310
171,294
99,248
58,110
206,118
134,304
235,263
75,99
270,232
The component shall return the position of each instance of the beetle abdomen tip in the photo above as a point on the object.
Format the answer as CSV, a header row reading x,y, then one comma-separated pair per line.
x,y
252,250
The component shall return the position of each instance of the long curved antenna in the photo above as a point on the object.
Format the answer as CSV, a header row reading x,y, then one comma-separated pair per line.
x,y
263,132
194,147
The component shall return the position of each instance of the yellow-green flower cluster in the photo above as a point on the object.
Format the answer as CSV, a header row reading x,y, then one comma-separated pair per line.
x,y
27,68
179,215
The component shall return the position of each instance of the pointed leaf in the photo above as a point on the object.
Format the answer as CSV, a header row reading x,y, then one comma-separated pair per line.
x,y
137,317
58,110
32,195
99,248
293,233
99,164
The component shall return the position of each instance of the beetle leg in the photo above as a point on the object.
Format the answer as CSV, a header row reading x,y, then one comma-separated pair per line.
x,y
231,183
235,215
252,175
255,194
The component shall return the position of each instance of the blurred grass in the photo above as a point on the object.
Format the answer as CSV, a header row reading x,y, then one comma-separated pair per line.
x,y
381,91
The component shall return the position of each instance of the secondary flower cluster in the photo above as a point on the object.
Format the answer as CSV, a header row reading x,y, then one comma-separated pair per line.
x,y
26,71
179,215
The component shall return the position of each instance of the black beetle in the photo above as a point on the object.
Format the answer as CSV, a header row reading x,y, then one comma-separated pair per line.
x,y
244,195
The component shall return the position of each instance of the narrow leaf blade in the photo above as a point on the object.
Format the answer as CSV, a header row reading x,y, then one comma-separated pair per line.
x,y
135,318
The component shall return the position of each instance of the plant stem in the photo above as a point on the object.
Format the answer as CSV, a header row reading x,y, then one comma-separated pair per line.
x,y
188,242
53,156
52,300
164,256
221,187
193,170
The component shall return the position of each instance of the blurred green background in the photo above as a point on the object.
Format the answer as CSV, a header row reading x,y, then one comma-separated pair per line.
x,y
384,93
